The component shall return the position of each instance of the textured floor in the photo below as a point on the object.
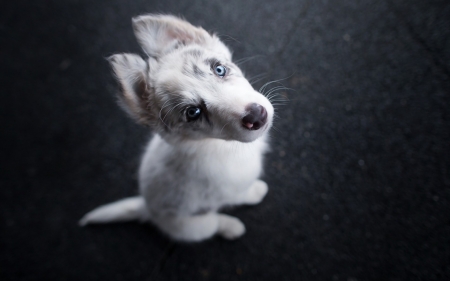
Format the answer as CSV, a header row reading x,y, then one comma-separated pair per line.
x,y
359,173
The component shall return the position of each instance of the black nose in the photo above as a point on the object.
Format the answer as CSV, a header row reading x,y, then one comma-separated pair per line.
x,y
255,118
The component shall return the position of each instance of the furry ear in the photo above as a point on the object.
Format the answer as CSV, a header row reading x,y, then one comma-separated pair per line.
x,y
132,72
159,33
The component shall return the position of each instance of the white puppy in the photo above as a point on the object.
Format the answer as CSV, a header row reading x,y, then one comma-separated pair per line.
x,y
210,132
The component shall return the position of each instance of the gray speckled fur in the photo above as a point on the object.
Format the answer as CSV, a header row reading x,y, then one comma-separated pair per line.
x,y
191,168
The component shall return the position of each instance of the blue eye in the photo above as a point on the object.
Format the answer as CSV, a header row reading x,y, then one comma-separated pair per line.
x,y
220,70
193,113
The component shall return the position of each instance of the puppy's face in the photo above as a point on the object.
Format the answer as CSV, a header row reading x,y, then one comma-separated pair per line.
x,y
202,94
189,88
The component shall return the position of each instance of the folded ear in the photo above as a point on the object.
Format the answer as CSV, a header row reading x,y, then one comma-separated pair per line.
x,y
132,72
159,33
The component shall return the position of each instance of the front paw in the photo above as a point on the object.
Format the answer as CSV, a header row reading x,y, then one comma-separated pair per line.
x,y
230,227
256,192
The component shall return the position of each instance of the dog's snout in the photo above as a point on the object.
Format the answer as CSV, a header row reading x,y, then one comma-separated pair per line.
x,y
256,116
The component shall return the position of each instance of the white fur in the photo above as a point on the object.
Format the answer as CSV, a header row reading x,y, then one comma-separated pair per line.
x,y
191,168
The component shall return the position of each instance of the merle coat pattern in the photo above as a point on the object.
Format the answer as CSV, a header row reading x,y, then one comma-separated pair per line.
x,y
210,127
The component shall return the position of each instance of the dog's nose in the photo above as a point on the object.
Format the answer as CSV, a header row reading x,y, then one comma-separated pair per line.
x,y
256,116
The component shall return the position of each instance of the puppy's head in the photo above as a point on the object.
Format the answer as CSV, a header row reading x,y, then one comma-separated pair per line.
x,y
188,87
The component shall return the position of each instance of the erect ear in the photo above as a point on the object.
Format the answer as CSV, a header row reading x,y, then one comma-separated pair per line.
x,y
132,72
159,33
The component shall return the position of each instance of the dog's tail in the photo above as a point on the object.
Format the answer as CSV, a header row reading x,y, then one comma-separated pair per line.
x,y
127,209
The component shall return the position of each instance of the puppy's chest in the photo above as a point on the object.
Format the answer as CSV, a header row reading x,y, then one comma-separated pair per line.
x,y
225,175
201,179
231,169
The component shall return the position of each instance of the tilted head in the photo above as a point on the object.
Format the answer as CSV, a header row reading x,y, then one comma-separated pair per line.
x,y
188,87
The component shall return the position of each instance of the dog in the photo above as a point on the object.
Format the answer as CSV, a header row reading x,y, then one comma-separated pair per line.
x,y
210,132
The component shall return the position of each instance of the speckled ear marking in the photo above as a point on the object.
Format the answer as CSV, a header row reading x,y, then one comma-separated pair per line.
x,y
192,70
131,72
158,34
196,53
197,72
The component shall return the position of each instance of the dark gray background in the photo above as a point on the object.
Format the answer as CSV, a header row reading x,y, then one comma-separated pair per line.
x,y
358,174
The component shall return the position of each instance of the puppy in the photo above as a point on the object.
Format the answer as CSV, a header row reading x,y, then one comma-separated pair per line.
x,y
210,129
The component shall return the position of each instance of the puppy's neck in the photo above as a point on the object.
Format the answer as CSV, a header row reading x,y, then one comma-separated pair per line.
x,y
214,145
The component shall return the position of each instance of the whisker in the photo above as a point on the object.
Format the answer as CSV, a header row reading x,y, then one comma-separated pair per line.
x,y
223,127
278,97
257,78
181,103
279,101
164,105
246,59
277,94
278,88
229,37
276,129
274,81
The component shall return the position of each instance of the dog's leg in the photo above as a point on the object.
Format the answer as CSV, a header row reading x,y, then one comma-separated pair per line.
x,y
201,227
230,227
254,194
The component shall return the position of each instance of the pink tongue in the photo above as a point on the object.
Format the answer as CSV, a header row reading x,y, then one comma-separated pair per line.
x,y
248,125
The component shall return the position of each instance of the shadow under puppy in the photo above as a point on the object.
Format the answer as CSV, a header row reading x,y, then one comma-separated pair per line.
x,y
210,132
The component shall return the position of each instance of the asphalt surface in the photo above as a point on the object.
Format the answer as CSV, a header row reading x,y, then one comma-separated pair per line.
x,y
359,172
